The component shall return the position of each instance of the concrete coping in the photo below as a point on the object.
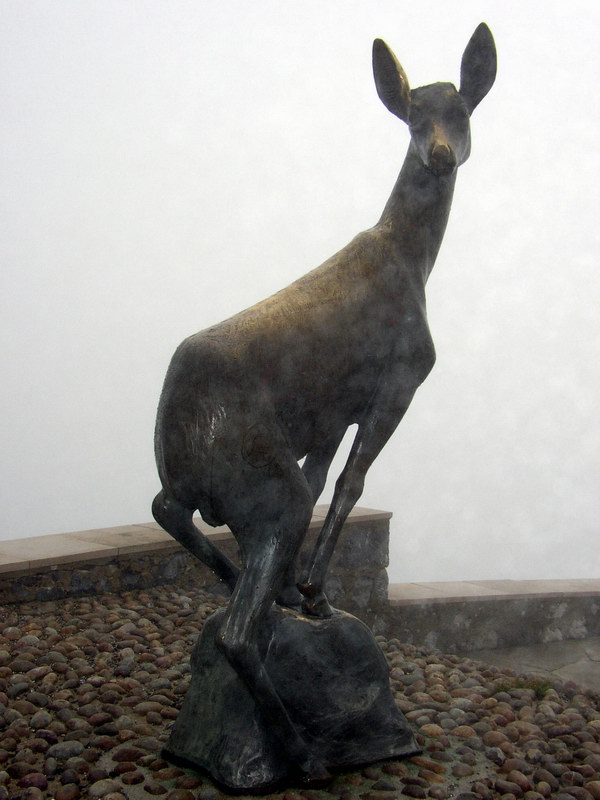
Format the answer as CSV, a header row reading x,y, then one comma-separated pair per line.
x,y
52,551
406,594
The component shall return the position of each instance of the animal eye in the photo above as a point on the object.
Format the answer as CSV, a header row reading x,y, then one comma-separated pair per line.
x,y
454,114
456,118
417,123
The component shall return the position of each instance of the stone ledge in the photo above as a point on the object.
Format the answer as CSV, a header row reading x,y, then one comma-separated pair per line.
x,y
143,555
403,594
30,555
461,617
451,616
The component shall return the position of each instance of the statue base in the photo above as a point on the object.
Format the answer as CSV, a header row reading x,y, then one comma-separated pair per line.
x,y
331,676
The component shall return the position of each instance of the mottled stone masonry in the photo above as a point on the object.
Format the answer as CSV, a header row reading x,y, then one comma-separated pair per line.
x,y
452,617
455,626
357,583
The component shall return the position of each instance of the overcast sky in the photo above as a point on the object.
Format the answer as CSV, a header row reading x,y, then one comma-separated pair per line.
x,y
166,164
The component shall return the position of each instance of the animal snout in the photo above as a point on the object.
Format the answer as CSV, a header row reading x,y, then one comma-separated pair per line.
x,y
442,160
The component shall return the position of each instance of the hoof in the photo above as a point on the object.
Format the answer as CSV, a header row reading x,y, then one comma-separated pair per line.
x,y
313,772
315,602
290,598
317,606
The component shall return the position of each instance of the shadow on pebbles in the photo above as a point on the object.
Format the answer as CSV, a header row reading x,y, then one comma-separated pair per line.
x,y
89,688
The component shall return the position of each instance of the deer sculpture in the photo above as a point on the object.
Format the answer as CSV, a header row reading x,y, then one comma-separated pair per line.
x,y
348,343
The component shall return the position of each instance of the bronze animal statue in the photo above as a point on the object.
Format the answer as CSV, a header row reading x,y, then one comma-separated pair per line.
x,y
348,343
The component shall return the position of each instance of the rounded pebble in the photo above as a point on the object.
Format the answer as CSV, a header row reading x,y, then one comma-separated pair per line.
x,y
89,688
103,787
68,792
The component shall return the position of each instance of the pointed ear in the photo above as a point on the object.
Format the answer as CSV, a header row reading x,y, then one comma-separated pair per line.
x,y
478,67
390,80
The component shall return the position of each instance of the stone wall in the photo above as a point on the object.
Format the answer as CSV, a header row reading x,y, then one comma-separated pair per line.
x,y
357,581
488,623
514,614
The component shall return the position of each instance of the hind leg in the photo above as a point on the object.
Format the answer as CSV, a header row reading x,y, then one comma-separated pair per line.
x,y
177,520
269,516
314,469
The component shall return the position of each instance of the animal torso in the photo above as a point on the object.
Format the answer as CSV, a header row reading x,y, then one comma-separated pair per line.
x,y
316,351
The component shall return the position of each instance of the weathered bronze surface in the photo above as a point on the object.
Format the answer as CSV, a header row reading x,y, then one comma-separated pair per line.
x,y
348,343
333,681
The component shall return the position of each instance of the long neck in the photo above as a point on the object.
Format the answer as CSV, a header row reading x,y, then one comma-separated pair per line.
x,y
416,213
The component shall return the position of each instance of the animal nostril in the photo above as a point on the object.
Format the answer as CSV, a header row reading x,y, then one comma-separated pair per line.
x,y
442,160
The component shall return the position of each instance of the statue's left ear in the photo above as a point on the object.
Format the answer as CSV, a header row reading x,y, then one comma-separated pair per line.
x,y
478,67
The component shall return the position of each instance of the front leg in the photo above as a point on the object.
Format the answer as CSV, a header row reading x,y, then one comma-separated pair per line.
x,y
318,460
381,420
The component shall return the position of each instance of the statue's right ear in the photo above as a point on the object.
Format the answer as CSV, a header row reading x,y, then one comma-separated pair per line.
x,y
390,80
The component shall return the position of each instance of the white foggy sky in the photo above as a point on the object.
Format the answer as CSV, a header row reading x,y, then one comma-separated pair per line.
x,y
166,164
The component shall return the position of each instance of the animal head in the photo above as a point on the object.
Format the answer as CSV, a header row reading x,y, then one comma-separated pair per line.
x,y
438,115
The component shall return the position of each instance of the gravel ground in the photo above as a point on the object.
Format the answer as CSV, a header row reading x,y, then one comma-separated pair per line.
x,y
89,688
